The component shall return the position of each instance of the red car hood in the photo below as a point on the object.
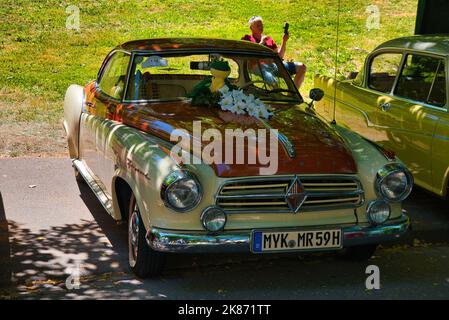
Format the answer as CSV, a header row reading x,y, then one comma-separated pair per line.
x,y
319,149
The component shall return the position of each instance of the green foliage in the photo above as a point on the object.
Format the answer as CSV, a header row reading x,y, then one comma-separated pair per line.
x,y
40,58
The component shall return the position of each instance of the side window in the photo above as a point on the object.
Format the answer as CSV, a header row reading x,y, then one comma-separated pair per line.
x,y
423,78
163,77
383,71
113,78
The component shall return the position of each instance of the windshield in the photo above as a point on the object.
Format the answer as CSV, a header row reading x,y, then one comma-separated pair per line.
x,y
172,77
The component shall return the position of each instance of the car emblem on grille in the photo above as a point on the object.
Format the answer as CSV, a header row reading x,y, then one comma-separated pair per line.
x,y
296,195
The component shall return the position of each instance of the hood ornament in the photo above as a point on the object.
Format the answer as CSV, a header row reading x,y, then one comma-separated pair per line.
x,y
286,144
296,195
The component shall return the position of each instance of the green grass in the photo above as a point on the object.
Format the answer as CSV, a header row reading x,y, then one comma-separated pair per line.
x,y
39,58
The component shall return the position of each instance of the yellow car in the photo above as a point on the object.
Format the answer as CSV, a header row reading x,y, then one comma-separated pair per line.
x,y
399,101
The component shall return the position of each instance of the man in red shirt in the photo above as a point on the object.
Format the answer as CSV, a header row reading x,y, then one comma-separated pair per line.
x,y
294,68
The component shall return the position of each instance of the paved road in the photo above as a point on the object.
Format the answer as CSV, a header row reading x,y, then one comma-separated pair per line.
x,y
49,224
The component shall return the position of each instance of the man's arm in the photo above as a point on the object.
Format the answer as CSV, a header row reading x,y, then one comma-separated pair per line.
x,y
283,47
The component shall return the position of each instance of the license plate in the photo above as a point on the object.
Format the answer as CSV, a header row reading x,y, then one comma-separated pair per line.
x,y
296,240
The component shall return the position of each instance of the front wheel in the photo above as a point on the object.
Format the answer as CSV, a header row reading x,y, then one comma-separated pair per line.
x,y
360,253
143,261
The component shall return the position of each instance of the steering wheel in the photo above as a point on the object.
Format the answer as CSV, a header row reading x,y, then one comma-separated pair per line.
x,y
251,82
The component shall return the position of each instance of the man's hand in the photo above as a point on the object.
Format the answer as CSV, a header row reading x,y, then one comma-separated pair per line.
x,y
285,37
263,39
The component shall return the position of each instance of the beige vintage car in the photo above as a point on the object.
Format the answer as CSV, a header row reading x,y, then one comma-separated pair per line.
x,y
331,190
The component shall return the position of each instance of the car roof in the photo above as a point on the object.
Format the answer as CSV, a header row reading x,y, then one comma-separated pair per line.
x,y
174,44
438,44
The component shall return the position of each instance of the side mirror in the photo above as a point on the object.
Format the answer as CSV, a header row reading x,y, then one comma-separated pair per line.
x,y
352,75
316,94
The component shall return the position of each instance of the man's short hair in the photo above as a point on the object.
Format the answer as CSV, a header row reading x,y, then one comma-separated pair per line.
x,y
254,19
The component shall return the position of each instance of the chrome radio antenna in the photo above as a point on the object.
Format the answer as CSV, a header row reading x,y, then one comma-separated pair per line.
x,y
336,62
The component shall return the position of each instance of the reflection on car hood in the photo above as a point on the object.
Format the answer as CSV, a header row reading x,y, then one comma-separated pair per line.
x,y
318,148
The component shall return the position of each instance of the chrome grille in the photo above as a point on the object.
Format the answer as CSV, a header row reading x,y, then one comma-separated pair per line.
x,y
268,194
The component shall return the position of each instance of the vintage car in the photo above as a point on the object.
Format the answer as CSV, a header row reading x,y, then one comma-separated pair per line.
x,y
399,101
331,190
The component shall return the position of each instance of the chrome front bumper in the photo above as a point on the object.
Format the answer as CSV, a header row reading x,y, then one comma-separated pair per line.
x,y
240,241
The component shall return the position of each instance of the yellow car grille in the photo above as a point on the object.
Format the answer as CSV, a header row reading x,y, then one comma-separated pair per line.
x,y
268,194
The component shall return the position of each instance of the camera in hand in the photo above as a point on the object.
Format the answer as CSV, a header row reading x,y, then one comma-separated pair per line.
x,y
286,28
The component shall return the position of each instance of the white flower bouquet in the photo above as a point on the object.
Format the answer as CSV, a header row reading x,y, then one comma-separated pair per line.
x,y
238,102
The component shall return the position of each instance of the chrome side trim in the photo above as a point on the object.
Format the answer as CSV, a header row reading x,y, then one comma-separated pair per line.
x,y
363,112
178,241
104,198
441,137
372,125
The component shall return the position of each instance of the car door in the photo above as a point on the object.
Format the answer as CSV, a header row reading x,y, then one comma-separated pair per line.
x,y
440,143
97,124
358,101
411,114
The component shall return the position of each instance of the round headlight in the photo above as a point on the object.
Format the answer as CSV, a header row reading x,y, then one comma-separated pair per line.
x,y
213,219
378,212
394,182
181,191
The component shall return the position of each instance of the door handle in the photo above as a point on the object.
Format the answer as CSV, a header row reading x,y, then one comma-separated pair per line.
x,y
431,117
385,106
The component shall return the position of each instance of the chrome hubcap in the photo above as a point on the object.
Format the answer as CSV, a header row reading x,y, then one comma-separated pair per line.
x,y
133,236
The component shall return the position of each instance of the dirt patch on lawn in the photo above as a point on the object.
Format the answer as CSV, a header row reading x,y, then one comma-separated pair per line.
x,y
32,139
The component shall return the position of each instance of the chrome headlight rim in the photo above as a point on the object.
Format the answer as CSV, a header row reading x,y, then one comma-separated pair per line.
x,y
388,170
208,209
369,208
175,177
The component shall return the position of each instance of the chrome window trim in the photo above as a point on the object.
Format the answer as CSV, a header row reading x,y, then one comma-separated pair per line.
x,y
374,55
254,53
435,79
404,53
156,100
204,50
101,71
98,89
440,58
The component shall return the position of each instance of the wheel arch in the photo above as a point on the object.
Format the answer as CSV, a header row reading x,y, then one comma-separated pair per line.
x,y
122,192
122,189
